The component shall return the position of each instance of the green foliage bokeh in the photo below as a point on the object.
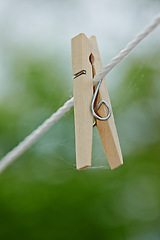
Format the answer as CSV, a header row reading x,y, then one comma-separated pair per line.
x,y
43,196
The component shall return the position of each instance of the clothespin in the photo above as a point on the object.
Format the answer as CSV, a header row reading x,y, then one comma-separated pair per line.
x,y
92,102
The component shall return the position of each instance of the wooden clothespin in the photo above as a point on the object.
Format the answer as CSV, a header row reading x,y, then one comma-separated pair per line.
x,y
86,63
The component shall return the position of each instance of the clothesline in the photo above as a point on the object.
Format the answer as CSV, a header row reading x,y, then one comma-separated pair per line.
x,y
36,134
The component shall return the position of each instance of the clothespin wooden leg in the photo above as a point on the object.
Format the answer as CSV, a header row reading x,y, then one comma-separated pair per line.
x,y
82,92
107,129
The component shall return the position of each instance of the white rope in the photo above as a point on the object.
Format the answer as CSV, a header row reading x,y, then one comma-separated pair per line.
x,y
129,47
36,134
31,139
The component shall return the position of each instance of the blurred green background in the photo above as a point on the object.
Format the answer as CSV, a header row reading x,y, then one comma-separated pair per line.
x,y
42,195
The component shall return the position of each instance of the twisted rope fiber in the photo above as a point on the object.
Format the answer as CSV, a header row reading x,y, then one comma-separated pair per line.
x,y
129,47
31,139
36,134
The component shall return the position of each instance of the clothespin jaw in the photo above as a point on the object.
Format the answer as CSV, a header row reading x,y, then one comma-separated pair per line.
x,y
82,92
106,129
86,63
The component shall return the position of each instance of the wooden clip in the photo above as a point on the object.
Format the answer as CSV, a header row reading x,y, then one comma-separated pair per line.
x,y
106,129
82,92
86,63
